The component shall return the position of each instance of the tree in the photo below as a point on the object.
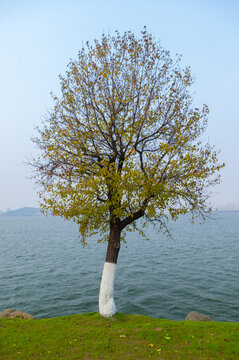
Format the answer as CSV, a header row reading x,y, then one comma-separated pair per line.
x,y
123,142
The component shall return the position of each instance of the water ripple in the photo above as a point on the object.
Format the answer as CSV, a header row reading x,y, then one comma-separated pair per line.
x,y
45,271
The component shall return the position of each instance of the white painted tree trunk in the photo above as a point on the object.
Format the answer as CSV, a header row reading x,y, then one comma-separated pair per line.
x,y
107,306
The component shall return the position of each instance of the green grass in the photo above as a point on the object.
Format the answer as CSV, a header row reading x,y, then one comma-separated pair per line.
x,y
89,336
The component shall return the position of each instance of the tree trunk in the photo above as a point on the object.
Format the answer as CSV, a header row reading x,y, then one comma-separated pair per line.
x,y
107,306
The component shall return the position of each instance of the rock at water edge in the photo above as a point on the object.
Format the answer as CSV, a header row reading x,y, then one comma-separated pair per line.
x,y
12,313
195,316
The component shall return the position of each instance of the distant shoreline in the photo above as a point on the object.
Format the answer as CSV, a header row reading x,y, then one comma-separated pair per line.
x,y
32,211
22,212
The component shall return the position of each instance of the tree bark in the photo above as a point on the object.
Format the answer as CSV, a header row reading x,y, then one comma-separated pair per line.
x,y
113,245
107,306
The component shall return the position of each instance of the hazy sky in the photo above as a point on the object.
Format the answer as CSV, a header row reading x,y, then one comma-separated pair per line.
x,y
38,38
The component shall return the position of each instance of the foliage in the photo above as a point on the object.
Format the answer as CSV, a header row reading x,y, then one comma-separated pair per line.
x,y
90,336
123,140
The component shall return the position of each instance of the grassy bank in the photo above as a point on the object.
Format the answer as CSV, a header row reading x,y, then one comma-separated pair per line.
x,y
89,336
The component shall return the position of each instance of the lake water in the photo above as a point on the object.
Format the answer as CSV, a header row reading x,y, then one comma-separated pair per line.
x,y
46,272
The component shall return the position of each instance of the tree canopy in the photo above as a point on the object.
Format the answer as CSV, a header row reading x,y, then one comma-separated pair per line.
x,y
123,140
